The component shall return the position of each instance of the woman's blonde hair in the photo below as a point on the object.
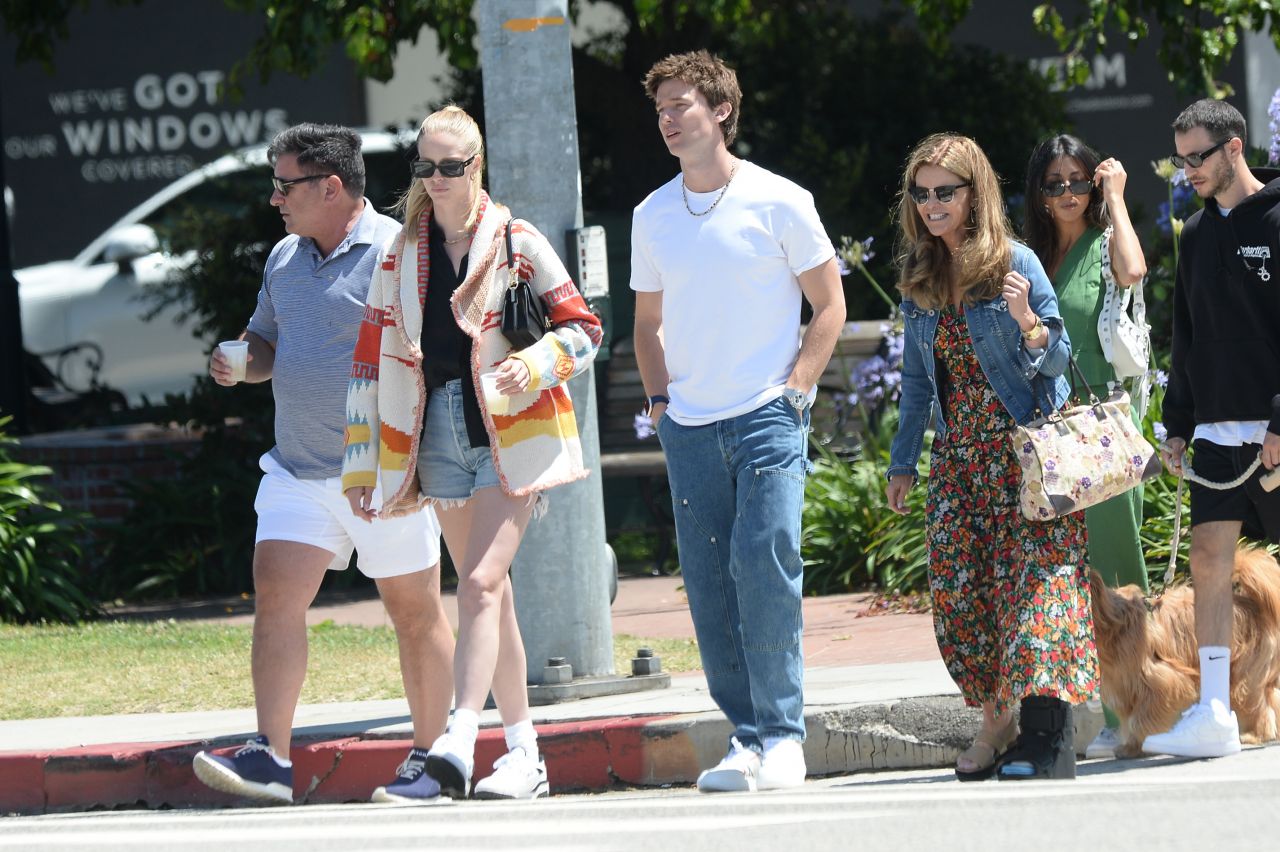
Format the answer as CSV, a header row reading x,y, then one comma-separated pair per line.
x,y
978,267
454,121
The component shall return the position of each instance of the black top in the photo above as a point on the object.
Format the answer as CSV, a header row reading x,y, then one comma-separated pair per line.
x,y
1226,315
446,350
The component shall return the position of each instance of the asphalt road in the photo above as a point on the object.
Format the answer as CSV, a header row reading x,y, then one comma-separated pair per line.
x,y
1153,804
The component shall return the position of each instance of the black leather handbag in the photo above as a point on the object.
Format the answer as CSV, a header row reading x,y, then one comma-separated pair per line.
x,y
524,320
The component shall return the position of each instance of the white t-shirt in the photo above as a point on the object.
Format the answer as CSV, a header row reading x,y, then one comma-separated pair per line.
x,y
730,296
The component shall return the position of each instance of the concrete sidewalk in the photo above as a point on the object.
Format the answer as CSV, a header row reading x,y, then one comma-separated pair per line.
x,y
877,697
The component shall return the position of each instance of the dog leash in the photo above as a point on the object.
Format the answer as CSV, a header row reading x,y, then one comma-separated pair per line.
x,y
1188,473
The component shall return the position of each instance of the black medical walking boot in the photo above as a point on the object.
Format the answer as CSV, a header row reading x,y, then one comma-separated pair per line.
x,y
1045,747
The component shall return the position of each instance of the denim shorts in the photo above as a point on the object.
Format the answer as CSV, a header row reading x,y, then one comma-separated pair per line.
x,y
449,468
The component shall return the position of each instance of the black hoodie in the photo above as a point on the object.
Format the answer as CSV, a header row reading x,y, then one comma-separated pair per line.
x,y
1226,315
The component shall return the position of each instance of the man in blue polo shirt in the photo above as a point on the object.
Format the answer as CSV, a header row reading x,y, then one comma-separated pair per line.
x,y
301,337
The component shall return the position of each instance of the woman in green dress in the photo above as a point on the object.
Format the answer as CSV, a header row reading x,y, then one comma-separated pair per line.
x,y
1075,215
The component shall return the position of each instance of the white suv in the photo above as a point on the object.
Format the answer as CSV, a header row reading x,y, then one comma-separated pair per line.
x,y
94,300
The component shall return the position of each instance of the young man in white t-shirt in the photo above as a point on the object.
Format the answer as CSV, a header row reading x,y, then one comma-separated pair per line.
x,y
720,259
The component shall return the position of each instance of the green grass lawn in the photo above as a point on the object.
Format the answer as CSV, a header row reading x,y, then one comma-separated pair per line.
x,y
166,666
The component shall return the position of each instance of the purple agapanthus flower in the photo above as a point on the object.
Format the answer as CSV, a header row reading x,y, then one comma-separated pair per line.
x,y
644,427
1183,204
1157,429
1274,112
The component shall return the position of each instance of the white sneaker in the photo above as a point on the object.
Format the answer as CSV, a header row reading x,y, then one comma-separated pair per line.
x,y
516,775
736,773
450,762
783,764
1104,745
1205,730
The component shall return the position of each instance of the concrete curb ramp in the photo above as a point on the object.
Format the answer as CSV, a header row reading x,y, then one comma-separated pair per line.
x,y
593,754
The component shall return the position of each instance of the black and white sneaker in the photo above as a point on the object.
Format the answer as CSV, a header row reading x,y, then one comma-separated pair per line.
x,y
516,775
449,762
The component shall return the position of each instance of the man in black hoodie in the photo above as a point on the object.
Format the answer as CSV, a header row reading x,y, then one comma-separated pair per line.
x,y
1224,391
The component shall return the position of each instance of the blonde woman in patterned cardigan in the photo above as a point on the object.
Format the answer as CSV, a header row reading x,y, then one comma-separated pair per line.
x,y
418,426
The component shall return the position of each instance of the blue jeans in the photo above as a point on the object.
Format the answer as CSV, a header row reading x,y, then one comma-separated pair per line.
x,y
737,490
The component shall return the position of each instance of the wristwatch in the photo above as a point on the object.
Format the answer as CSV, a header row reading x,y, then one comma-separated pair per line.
x,y
652,401
1035,330
799,400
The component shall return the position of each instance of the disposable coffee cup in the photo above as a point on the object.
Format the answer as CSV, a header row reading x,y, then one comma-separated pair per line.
x,y
493,400
237,354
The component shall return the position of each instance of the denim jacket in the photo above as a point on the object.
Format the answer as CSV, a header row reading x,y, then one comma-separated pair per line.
x,y
1013,371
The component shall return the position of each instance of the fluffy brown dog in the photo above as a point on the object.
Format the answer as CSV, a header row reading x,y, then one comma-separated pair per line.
x,y
1151,664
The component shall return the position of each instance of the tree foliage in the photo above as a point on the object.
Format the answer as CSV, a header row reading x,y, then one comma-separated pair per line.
x,y
1197,37
38,25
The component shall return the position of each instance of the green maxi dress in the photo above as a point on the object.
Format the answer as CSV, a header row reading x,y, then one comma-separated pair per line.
x,y
1114,548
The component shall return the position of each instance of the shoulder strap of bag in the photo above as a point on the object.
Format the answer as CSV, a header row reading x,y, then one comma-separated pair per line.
x,y
1116,299
513,273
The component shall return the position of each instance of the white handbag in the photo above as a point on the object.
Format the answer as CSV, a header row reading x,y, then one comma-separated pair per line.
x,y
1126,342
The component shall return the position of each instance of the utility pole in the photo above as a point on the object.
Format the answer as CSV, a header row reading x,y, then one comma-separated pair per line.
x,y
561,572
13,386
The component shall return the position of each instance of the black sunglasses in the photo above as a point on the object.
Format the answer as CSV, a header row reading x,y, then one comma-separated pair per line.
x,y
1077,187
944,194
448,168
283,186
1195,161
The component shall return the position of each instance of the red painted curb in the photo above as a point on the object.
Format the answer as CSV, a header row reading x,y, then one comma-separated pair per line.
x,y
21,783
594,754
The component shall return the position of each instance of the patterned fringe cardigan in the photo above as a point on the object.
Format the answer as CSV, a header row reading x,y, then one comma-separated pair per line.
x,y
535,446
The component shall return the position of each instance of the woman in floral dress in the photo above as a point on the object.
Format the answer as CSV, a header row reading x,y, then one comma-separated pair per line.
x,y
985,350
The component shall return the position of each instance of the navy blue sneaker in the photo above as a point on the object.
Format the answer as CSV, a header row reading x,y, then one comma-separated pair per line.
x,y
412,785
251,772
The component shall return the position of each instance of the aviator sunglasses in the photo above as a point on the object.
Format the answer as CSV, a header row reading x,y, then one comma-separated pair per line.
x,y
944,194
448,168
1195,161
1077,187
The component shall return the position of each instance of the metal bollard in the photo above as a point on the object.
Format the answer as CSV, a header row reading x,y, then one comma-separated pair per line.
x,y
645,663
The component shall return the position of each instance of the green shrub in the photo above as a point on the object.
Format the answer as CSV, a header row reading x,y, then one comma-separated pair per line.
x,y
39,553
851,539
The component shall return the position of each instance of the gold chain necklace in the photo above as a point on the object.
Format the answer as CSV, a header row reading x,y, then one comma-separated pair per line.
x,y
457,240
685,195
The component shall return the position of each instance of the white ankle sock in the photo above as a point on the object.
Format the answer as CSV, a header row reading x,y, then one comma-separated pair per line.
x,y
1215,675
465,724
522,735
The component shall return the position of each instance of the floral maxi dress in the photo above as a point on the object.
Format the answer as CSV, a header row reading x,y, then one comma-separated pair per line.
x,y
1011,606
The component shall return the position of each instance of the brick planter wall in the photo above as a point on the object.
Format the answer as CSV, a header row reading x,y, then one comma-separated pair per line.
x,y
90,464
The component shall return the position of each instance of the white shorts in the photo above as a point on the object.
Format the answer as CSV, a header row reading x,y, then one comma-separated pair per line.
x,y
316,512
